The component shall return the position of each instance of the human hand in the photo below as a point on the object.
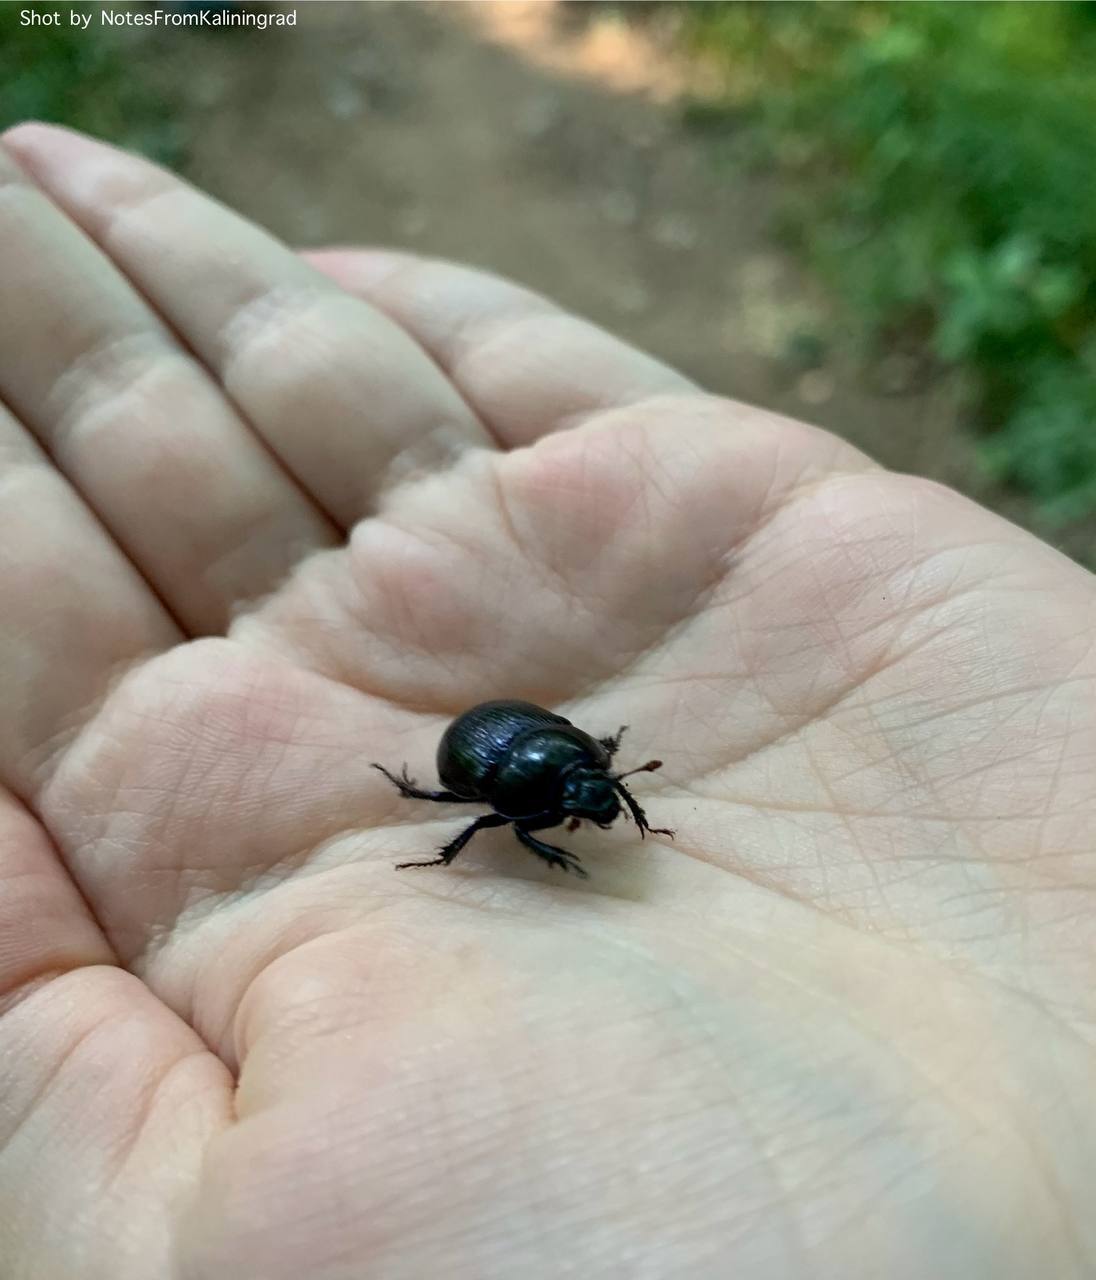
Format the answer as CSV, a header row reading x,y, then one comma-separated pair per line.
x,y
294,517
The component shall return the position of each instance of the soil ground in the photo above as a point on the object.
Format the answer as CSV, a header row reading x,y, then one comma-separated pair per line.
x,y
543,141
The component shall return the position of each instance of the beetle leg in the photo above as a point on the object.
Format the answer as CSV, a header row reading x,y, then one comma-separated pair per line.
x,y
553,856
637,813
450,851
612,745
406,787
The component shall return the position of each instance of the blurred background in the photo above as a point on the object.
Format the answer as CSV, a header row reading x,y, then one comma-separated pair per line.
x,y
877,216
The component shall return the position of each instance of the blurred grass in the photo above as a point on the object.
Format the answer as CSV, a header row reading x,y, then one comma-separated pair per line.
x,y
944,158
83,79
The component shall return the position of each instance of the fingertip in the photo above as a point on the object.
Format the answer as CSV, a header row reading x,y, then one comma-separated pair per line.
x,y
11,136
65,160
29,137
50,153
357,269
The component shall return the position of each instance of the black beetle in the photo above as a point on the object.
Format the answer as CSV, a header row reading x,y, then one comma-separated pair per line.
x,y
535,769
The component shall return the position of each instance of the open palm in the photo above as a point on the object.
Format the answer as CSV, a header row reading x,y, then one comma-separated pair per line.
x,y
264,521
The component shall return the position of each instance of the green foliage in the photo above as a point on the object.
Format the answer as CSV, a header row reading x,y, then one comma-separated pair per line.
x,y
81,79
947,159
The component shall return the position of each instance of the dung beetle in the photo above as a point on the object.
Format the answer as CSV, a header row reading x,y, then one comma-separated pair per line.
x,y
535,769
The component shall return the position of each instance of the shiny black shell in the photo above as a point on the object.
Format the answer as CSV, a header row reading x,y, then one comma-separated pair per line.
x,y
514,756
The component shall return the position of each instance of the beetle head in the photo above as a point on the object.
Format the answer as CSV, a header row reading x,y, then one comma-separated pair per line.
x,y
591,793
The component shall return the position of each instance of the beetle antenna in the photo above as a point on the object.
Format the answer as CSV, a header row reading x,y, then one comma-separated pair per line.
x,y
649,767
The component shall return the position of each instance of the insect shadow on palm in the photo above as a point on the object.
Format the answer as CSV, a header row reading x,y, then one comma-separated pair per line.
x,y
536,770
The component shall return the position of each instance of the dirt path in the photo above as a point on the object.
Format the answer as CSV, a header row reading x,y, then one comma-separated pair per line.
x,y
541,144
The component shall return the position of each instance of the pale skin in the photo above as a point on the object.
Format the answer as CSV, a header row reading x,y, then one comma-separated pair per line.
x,y
265,518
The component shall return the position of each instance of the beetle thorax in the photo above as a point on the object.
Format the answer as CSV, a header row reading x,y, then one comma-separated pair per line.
x,y
534,773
